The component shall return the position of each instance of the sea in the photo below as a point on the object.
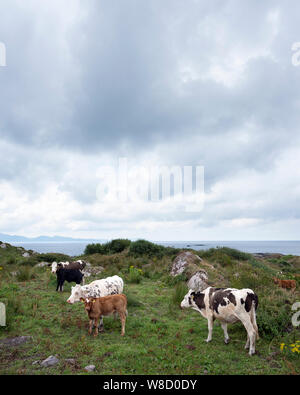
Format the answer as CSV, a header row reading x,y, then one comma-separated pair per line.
x,y
77,248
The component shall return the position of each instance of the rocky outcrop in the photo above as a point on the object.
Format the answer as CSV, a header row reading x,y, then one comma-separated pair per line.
x,y
182,261
187,262
198,281
92,271
42,264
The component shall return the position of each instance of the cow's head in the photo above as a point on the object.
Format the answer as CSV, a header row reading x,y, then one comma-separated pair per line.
x,y
193,299
76,294
88,303
187,300
53,267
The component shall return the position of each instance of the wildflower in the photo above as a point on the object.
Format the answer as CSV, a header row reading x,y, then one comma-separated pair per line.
x,y
282,346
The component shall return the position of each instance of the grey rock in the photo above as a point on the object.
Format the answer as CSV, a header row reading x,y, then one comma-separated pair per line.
x,y
14,341
26,255
42,264
3,245
70,361
182,260
50,361
90,368
198,281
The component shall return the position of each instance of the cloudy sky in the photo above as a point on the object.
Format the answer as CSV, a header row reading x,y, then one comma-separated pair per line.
x,y
160,83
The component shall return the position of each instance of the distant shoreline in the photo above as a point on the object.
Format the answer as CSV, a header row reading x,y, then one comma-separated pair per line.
x,y
76,248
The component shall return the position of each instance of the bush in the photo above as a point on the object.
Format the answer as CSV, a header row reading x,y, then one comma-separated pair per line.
x,y
273,322
179,292
52,257
145,247
222,254
117,245
135,275
112,247
25,273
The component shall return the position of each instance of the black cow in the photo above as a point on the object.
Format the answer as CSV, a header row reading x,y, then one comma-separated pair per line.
x,y
70,275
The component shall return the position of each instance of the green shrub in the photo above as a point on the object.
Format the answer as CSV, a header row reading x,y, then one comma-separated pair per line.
x,y
9,260
25,273
144,247
117,245
52,257
178,294
272,321
218,253
30,261
112,247
135,275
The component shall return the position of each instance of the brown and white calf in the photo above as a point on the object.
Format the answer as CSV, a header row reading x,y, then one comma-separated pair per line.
x,y
228,305
107,305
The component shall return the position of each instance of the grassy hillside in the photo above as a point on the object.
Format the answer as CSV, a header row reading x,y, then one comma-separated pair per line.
x,y
160,337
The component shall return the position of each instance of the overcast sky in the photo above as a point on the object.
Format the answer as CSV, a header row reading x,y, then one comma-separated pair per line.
x,y
161,83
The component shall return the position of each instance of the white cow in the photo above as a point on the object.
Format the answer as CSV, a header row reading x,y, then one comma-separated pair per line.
x,y
228,305
98,288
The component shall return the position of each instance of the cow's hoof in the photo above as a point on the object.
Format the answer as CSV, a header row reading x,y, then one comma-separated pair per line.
x,y
208,340
226,341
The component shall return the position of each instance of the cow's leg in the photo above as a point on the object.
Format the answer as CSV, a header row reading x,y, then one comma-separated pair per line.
x,y
91,327
251,333
101,326
123,320
96,326
226,337
210,323
253,321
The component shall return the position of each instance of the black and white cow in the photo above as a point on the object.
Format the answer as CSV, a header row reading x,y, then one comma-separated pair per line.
x,y
70,275
67,265
229,305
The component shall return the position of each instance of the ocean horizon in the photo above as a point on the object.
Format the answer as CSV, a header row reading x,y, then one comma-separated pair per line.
x,y
76,248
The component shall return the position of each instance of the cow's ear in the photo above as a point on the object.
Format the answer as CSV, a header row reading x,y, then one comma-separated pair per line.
x,y
82,300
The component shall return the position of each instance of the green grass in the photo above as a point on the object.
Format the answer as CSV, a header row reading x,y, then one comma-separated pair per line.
x,y
160,338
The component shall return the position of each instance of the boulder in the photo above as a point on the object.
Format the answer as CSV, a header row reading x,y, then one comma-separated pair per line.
x,y
92,271
50,361
26,255
90,368
42,264
188,262
198,281
183,260
3,245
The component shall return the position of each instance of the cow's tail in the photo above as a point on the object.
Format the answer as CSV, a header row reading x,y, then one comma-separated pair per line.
x,y
253,314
